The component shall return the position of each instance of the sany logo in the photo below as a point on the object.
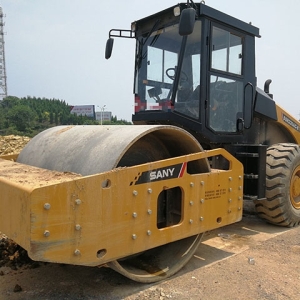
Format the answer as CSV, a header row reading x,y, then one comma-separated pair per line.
x,y
161,174
169,172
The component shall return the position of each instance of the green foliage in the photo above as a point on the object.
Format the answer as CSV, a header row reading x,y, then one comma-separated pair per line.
x,y
31,115
22,117
10,102
115,121
2,119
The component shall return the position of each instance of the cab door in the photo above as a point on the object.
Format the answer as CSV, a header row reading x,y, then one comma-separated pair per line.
x,y
229,82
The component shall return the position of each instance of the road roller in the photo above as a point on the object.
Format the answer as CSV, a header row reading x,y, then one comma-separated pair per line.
x,y
133,198
138,198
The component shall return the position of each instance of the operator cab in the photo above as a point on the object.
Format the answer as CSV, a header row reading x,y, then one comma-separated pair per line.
x,y
201,79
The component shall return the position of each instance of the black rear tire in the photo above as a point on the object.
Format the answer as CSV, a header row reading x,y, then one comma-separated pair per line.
x,y
282,203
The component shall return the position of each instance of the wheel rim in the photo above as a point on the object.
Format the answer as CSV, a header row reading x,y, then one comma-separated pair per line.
x,y
295,188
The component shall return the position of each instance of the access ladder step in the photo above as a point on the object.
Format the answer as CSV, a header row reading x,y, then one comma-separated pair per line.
x,y
246,154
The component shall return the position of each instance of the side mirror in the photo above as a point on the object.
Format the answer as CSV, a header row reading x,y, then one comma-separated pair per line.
x,y
109,47
187,21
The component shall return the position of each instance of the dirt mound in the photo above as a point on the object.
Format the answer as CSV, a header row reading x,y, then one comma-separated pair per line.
x,y
11,254
12,144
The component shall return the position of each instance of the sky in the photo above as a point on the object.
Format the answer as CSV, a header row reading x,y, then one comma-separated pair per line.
x,y
55,48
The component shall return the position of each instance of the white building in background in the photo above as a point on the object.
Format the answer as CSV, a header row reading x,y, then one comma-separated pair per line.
x,y
103,115
89,111
83,110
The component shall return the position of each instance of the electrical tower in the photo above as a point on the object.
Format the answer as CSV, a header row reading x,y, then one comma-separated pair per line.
x,y
3,85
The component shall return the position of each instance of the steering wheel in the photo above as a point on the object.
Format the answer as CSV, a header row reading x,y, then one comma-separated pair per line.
x,y
172,77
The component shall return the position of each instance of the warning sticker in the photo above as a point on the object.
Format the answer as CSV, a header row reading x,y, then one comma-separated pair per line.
x,y
214,194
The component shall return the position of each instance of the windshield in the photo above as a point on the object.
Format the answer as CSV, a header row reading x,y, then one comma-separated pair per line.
x,y
156,66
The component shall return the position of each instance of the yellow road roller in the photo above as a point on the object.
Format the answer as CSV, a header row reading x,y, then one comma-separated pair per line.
x,y
138,198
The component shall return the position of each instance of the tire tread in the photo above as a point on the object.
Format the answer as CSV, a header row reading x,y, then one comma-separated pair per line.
x,y
275,208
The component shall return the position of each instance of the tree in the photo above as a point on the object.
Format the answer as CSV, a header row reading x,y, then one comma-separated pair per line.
x,y
56,118
10,101
21,116
30,115
2,118
51,117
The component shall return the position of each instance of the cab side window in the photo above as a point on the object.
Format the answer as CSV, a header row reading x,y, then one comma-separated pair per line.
x,y
226,81
226,54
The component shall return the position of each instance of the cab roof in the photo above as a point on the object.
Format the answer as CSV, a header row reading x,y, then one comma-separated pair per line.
x,y
167,16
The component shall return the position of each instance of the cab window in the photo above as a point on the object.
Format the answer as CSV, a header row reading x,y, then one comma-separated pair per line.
x,y
226,54
226,97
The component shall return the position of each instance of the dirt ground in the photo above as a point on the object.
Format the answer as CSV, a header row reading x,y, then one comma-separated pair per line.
x,y
246,260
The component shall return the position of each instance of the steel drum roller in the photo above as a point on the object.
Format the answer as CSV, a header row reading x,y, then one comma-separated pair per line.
x,y
93,149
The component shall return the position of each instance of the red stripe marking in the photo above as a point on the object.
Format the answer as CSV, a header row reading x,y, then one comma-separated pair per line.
x,y
183,167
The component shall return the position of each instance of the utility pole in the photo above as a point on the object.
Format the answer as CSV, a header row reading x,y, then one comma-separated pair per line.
x,y
3,83
101,113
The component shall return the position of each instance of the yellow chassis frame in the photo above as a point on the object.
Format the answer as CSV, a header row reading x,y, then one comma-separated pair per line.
x,y
92,220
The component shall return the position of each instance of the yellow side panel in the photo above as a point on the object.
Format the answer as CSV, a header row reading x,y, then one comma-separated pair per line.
x,y
96,219
15,212
289,122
